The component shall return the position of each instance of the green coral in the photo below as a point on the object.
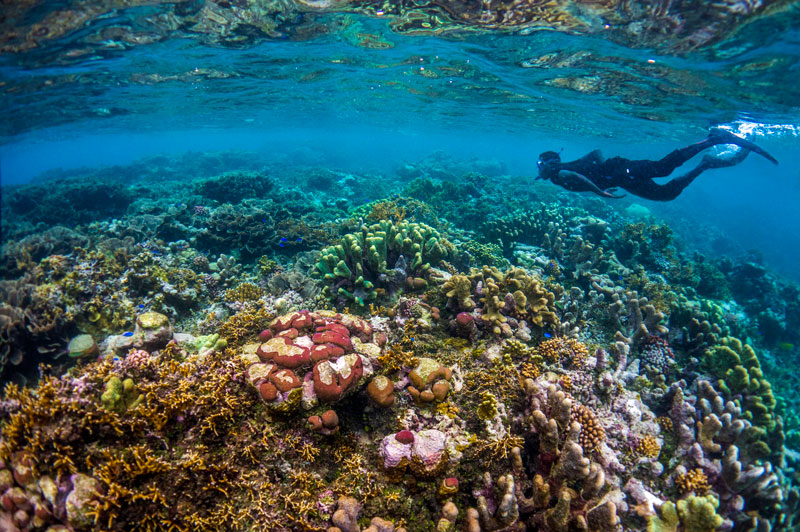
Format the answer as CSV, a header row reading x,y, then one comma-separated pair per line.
x,y
210,341
490,254
693,514
356,269
120,396
532,301
739,372
459,287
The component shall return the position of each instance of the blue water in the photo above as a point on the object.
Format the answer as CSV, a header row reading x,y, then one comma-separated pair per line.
x,y
754,205
86,100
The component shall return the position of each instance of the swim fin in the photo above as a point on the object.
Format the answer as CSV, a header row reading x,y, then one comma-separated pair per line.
x,y
729,138
709,161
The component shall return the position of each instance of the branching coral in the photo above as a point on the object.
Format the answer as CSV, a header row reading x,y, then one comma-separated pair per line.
x,y
502,300
379,260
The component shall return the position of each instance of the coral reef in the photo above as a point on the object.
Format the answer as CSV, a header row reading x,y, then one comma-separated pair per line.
x,y
231,352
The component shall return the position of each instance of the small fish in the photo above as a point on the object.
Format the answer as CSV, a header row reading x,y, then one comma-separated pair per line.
x,y
785,346
116,359
284,239
264,220
548,335
299,239
129,333
280,245
141,306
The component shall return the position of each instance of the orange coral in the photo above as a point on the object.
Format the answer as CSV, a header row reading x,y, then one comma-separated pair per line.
x,y
693,481
592,433
648,446
563,351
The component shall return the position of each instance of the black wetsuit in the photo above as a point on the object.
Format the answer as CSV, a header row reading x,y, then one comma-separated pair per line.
x,y
636,176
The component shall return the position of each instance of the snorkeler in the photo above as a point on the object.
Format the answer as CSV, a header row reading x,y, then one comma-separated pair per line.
x,y
592,173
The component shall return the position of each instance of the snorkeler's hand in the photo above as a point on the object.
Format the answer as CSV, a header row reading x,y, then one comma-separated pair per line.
x,y
608,193
580,183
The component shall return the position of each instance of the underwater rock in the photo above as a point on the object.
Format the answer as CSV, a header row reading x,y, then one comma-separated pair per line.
x,y
153,331
80,501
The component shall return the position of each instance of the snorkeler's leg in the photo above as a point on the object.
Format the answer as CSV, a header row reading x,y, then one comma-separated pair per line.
x,y
649,189
676,158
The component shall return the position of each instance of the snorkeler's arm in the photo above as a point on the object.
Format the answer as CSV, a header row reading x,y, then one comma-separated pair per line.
x,y
580,183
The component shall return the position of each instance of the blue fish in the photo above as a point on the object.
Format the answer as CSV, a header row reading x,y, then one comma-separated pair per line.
x,y
299,239
548,335
284,239
129,333
281,244
141,306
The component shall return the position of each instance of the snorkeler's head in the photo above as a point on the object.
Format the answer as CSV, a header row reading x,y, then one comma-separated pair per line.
x,y
547,164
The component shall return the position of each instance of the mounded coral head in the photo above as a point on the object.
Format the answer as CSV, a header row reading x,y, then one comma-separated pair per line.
x,y
306,357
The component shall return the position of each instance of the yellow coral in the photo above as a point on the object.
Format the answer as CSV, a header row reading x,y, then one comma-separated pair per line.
x,y
243,292
665,423
459,287
693,481
648,447
563,351
488,407
592,433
